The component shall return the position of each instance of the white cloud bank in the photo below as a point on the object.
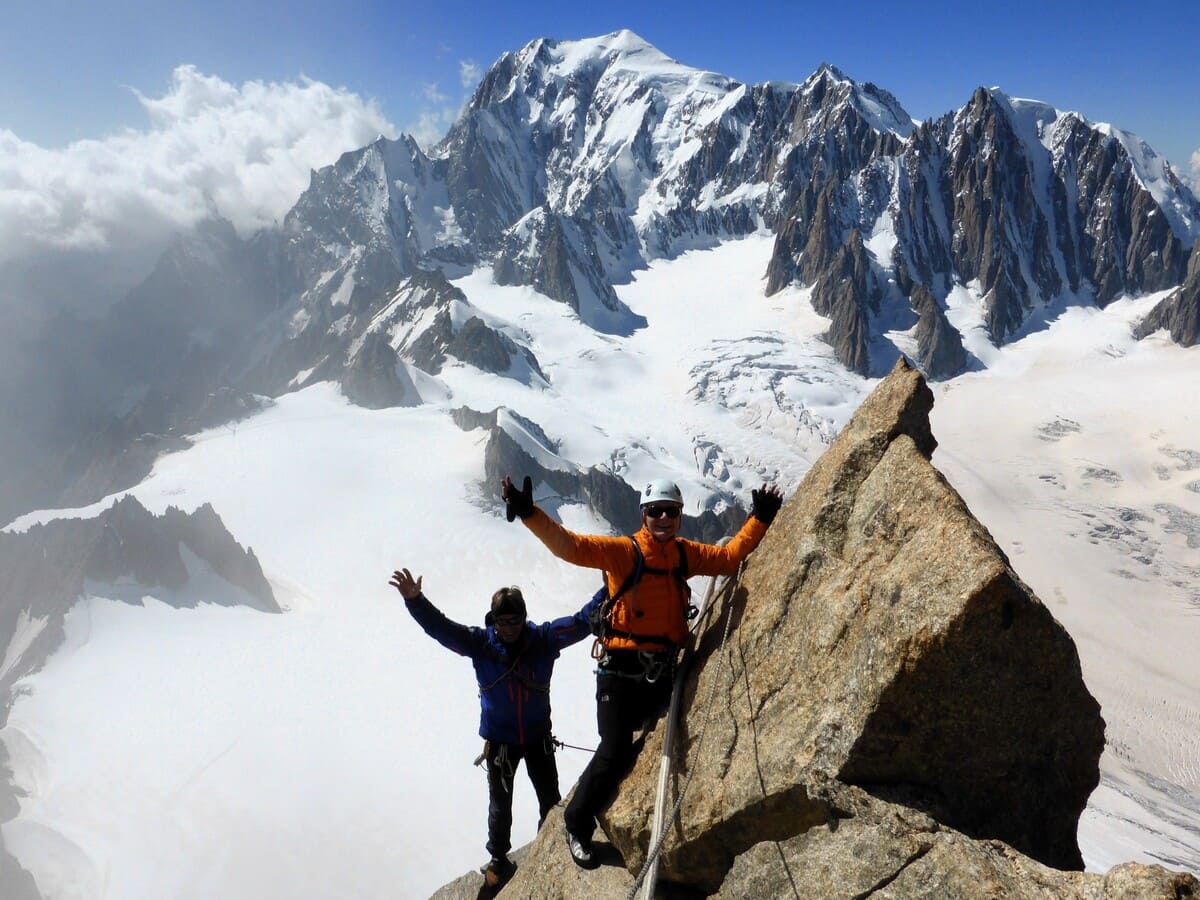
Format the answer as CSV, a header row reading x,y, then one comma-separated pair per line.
x,y
244,151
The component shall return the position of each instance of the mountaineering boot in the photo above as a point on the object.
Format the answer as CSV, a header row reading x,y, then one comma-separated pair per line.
x,y
497,872
581,851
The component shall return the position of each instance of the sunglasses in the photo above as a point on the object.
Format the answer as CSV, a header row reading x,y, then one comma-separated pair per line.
x,y
509,621
655,512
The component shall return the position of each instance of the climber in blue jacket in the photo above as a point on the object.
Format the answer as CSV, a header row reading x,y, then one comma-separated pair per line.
x,y
513,662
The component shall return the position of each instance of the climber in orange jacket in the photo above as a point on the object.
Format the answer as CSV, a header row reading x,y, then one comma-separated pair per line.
x,y
646,576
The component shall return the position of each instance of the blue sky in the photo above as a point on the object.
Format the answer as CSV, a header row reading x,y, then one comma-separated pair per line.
x,y
67,68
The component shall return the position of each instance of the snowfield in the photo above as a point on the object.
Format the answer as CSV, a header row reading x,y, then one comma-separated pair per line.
x,y
327,751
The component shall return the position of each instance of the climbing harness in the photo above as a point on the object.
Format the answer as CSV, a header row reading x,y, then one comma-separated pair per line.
x,y
637,665
658,833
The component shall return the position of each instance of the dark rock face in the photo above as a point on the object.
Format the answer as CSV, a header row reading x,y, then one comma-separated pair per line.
x,y
376,379
829,141
1009,195
844,292
1127,244
1179,313
417,325
365,214
940,351
558,257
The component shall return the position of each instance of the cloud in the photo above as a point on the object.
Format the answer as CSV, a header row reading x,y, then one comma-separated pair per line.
x,y
469,73
437,117
244,151
432,93
432,126
1195,162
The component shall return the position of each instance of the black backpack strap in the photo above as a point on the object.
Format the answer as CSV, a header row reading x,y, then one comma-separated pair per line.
x,y
639,569
600,619
682,572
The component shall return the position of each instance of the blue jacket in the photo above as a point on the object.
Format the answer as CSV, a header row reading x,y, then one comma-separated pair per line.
x,y
514,679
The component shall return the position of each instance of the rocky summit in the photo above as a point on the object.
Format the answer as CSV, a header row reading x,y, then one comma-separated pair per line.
x,y
893,712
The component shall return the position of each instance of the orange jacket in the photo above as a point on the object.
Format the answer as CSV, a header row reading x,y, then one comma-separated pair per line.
x,y
654,606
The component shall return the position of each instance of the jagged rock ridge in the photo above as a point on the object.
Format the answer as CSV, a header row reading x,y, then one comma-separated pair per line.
x,y
1179,313
895,711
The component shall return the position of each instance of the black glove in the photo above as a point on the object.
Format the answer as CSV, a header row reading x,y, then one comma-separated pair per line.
x,y
767,501
517,503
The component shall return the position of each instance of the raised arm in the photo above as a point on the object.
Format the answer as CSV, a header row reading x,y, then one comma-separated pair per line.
x,y
710,559
591,551
572,629
450,634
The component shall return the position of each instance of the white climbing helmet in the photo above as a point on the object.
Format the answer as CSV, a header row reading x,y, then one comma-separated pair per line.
x,y
662,490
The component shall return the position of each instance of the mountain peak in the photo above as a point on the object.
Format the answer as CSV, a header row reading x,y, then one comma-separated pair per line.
x,y
877,106
622,50
829,70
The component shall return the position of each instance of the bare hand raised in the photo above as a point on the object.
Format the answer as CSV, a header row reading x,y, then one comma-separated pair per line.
x,y
403,581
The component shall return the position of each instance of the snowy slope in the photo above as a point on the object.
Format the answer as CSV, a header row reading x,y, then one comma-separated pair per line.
x,y
326,751
1087,472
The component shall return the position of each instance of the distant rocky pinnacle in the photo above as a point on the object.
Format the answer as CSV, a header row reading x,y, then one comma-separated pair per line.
x,y
124,553
127,552
895,713
1179,313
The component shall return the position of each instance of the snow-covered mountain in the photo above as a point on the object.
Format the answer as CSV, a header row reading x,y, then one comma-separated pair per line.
x,y
616,266
578,162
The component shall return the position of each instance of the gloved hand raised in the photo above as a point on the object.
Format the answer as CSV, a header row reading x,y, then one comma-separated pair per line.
x,y
766,502
517,503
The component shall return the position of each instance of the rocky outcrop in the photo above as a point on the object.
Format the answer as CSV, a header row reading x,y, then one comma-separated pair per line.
x,y
45,570
532,453
866,652
376,379
940,351
1179,313
869,847
866,847
557,256
894,711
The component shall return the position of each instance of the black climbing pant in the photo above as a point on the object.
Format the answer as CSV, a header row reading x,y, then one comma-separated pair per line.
x,y
502,760
622,705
